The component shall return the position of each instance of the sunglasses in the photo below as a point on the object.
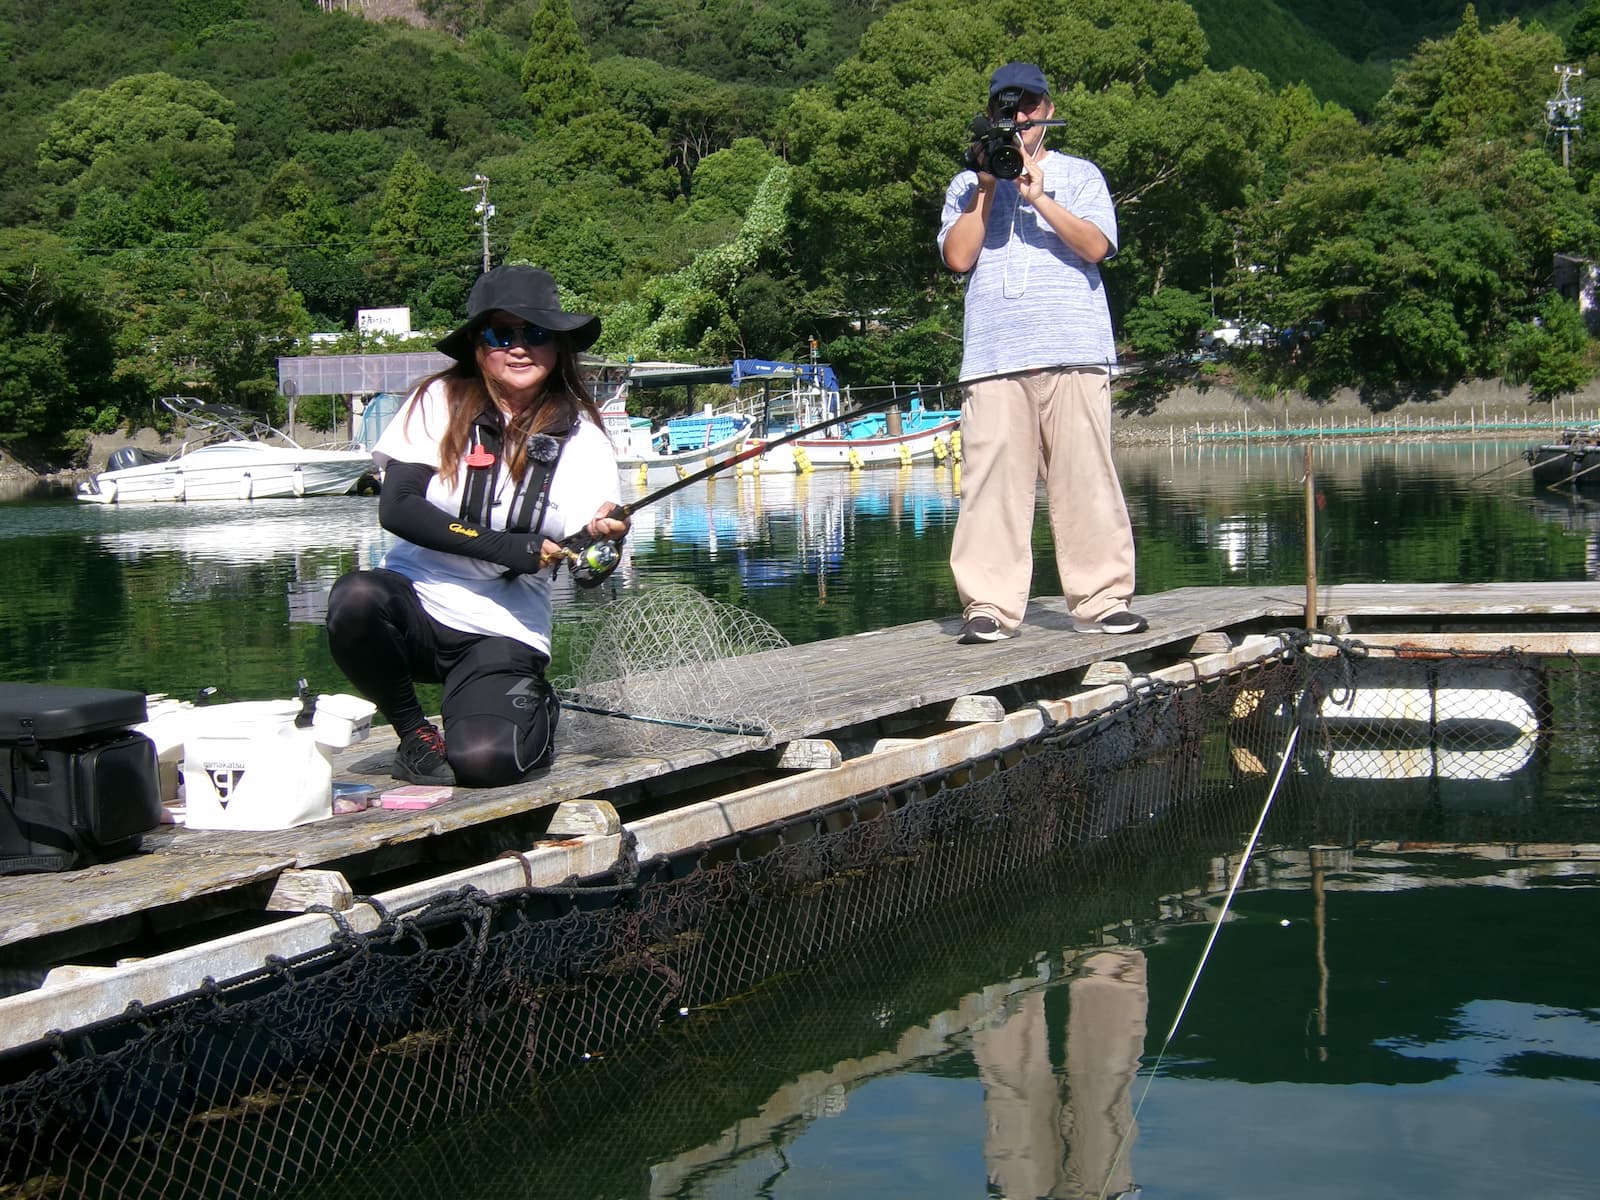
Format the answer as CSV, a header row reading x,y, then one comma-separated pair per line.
x,y
503,337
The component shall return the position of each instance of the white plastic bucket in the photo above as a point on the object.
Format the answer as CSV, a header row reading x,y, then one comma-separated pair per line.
x,y
246,766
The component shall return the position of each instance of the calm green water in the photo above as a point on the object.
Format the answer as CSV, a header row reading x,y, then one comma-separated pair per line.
x,y
1382,1016
175,598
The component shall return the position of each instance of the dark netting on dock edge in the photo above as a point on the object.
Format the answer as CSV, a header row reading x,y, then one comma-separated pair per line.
x,y
276,1079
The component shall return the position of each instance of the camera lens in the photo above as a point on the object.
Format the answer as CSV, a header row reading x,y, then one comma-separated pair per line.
x,y
1005,162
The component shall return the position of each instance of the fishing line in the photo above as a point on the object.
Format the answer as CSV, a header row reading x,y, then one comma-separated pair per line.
x,y
1205,954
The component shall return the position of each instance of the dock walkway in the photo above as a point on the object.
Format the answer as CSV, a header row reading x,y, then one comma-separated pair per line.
x,y
892,682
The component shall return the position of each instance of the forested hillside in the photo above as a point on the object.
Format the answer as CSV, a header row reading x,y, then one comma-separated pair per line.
x,y
189,187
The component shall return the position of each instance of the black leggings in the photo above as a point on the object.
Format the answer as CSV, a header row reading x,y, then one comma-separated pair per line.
x,y
499,713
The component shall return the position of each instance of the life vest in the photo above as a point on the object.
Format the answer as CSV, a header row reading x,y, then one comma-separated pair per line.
x,y
531,500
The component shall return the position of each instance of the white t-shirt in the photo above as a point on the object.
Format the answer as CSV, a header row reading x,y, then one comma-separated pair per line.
x,y
467,593
1032,302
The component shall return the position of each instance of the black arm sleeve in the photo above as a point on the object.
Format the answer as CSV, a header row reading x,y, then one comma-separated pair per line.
x,y
404,510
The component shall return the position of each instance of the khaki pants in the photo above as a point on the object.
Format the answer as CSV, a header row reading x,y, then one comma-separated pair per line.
x,y
1015,430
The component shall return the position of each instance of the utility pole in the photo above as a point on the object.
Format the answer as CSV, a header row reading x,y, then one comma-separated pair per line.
x,y
485,210
1564,114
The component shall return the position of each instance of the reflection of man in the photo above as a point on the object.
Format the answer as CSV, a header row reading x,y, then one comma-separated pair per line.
x,y
1037,354
1063,1137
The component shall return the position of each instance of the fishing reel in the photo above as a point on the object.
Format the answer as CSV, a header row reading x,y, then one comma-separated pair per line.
x,y
591,560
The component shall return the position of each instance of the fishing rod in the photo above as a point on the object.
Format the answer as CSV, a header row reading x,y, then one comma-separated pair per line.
x,y
591,559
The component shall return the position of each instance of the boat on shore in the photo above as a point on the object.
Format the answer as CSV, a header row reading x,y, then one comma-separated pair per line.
x,y
1572,459
233,456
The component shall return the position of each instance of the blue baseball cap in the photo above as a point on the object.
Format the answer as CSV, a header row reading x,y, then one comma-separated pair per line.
x,y
1019,75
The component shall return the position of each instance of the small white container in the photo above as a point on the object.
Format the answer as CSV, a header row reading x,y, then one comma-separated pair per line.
x,y
342,720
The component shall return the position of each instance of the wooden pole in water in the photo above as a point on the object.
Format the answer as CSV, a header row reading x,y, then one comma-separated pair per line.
x,y
1311,544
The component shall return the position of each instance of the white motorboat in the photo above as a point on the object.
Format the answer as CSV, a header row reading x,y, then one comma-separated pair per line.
x,y
684,445
233,456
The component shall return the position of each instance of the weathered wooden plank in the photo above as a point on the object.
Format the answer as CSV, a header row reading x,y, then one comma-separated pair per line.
x,y
297,891
838,684
1107,672
584,818
809,754
29,1016
1585,644
975,708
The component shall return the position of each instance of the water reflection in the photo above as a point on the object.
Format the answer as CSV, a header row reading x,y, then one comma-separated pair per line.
x,y
1577,514
93,592
1400,995
1067,1132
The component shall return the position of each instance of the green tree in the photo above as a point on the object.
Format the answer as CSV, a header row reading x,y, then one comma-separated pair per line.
x,y
213,326
117,136
689,313
695,115
558,81
1552,353
424,228
1420,267
1168,322
725,185
56,345
303,228
1583,41
1473,85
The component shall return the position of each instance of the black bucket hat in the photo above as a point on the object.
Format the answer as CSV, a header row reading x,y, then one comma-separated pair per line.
x,y
528,293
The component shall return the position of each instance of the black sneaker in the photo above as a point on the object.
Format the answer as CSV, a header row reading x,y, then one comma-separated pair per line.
x,y
420,758
1123,621
982,629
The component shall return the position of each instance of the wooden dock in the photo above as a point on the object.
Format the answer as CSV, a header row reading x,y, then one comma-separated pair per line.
x,y
904,682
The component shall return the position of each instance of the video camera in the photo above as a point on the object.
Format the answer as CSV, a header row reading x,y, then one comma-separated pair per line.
x,y
996,146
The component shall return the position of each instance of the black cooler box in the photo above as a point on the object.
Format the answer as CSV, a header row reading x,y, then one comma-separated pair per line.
x,y
77,784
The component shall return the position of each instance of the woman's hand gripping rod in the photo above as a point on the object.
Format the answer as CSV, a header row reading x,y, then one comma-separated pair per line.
x,y
592,559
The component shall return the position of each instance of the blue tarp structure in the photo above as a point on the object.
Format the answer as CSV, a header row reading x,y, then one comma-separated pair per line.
x,y
754,368
375,417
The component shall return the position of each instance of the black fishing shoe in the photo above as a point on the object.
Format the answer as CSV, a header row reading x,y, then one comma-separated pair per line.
x,y
420,758
1122,621
982,629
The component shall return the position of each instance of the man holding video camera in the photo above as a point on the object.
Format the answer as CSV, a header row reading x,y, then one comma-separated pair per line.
x,y
1029,228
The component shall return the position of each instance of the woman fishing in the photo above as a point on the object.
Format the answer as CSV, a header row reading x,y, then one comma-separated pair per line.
x,y
486,468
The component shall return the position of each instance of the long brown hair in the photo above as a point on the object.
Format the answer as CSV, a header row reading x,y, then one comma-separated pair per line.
x,y
565,399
